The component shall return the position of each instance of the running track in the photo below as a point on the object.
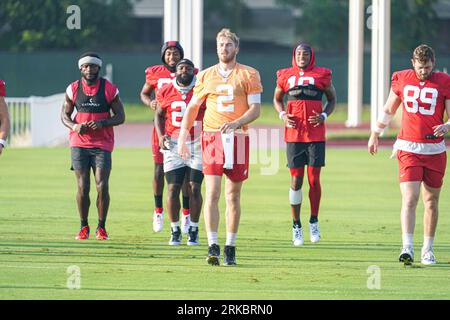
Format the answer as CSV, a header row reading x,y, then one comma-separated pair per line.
x,y
137,135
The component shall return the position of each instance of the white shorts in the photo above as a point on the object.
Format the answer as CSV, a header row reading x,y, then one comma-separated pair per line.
x,y
173,161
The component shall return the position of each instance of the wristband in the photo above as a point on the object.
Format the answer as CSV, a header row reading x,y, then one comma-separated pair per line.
x,y
3,143
73,127
324,114
384,118
378,130
281,114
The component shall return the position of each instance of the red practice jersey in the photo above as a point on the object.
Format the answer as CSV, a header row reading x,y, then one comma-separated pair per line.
x,y
423,103
174,103
95,106
2,88
313,79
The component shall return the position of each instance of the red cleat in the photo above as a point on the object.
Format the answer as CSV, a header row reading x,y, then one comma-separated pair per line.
x,y
102,234
83,234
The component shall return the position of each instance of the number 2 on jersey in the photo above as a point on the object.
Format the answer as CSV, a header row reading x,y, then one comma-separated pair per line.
x,y
228,97
178,114
426,95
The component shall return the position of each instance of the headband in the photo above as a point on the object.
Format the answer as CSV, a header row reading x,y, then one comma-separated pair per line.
x,y
89,60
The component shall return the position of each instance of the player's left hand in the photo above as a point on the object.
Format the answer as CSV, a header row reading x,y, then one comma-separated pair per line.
x,y
94,125
229,126
440,130
316,119
372,145
165,143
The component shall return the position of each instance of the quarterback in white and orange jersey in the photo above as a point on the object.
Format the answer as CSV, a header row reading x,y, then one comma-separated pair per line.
x,y
232,92
421,152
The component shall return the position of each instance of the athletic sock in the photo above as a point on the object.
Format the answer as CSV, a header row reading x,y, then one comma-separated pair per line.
x,y
101,224
186,207
296,223
212,238
231,239
175,225
84,223
158,201
428,243
407,239
193,224
313,219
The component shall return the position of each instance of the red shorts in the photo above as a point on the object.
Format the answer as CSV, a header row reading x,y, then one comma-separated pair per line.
x,y
419,167
213,157
158,157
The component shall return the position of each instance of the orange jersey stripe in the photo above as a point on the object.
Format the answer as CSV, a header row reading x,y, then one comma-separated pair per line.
x,y
226,98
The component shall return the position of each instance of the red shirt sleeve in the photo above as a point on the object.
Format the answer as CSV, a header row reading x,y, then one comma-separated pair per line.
x,y
151,77
395,83
160,98
2,88
327,78
447,86
281,80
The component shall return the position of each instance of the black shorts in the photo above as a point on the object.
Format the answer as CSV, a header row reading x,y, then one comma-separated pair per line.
x,y
300,154
177,176
83,158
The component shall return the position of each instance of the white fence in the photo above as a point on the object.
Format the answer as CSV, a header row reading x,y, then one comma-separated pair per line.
x,y
36,121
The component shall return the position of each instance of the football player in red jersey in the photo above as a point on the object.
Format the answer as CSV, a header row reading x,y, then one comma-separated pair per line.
x,y
4,117
92,137
173,99
155,78
420,147
304,84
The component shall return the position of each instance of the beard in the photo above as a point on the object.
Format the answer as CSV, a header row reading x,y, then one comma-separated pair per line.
x,y
92,80
227,59
185,79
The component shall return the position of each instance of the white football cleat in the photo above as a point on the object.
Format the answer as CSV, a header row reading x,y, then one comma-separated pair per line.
x,y
406,255
314,232
185,220
297,236
428,257
158,221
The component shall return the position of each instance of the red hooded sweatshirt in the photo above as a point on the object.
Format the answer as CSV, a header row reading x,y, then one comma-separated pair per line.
x,y
302,105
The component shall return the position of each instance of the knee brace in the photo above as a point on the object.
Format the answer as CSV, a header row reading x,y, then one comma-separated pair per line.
x,y
295,196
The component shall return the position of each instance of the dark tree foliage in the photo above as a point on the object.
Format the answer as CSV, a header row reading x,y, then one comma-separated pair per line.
x,y
324,23
41,24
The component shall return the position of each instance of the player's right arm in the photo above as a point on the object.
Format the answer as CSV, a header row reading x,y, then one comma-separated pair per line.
x,y
389,110
66,117
146,94
278,104
186,124
159,126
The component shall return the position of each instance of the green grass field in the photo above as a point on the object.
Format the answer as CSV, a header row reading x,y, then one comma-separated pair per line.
x,y
359,223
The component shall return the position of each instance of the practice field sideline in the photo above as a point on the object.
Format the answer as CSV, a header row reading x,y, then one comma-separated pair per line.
x,y
359,220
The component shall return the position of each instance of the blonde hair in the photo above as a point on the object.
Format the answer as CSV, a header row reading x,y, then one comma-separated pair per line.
x,y
226,33
423,53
